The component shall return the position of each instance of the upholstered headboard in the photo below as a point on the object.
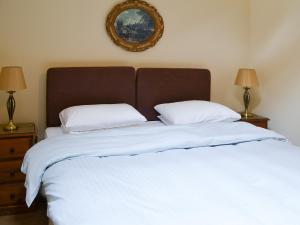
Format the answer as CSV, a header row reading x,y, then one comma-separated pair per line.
x,y
105,85
87,85
162,85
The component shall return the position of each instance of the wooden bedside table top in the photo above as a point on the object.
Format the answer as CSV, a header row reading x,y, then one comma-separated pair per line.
x,y
259,121
255,117
23,129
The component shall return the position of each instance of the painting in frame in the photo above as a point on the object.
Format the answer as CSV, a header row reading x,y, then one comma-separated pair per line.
x,y
134,25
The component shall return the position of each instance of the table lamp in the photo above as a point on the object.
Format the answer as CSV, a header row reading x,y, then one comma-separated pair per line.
x,y
246,78
11,80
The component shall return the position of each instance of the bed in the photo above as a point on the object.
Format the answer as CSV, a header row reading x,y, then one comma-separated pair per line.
x,y
152,174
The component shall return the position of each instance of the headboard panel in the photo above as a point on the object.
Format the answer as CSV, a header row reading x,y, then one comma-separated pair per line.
x,y
87,85
162,85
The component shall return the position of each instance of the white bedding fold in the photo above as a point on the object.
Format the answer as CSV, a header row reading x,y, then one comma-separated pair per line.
x,y
132,141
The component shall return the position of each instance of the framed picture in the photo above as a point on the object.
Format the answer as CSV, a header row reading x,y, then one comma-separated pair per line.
x,y
134,25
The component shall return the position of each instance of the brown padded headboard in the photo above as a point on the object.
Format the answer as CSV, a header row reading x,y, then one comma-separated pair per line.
x,y
162,85
87,85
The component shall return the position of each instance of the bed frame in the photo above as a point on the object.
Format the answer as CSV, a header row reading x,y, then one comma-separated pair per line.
x,y
142,89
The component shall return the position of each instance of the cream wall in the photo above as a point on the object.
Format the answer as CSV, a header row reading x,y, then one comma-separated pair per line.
x,y
275,52
38,34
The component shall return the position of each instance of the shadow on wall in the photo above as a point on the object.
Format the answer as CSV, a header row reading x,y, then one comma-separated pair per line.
x,y
276,54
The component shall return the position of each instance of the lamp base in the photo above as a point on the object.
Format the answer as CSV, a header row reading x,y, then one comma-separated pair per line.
x,y
10,126
246,114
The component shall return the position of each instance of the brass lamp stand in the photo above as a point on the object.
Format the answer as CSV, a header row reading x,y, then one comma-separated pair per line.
x,y
247,98
11,105
11,80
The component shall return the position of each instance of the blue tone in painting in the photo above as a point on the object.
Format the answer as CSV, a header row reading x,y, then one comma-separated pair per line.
x,y
134,25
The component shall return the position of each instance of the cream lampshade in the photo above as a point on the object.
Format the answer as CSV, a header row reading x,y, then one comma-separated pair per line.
x,y
11,80
246,78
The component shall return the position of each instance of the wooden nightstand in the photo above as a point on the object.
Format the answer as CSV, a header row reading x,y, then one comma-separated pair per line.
x,y
13,146
257,120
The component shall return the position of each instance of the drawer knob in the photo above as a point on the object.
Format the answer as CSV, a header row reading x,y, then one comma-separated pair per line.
x,y
12,196
12,151
12,173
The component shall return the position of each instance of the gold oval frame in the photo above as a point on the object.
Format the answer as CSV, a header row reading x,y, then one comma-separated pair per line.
x,y
134,4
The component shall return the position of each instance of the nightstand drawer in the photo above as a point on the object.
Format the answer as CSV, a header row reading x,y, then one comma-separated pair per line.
x,y
12,194
14,148
10,171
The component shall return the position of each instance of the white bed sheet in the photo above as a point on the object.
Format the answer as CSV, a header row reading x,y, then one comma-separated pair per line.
x,y
238,175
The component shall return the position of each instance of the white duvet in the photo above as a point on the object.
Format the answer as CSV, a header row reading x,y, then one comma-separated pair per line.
x,y
212,174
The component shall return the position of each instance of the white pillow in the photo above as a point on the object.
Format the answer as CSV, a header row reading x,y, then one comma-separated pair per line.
x,y
164,120
195,111
94,117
